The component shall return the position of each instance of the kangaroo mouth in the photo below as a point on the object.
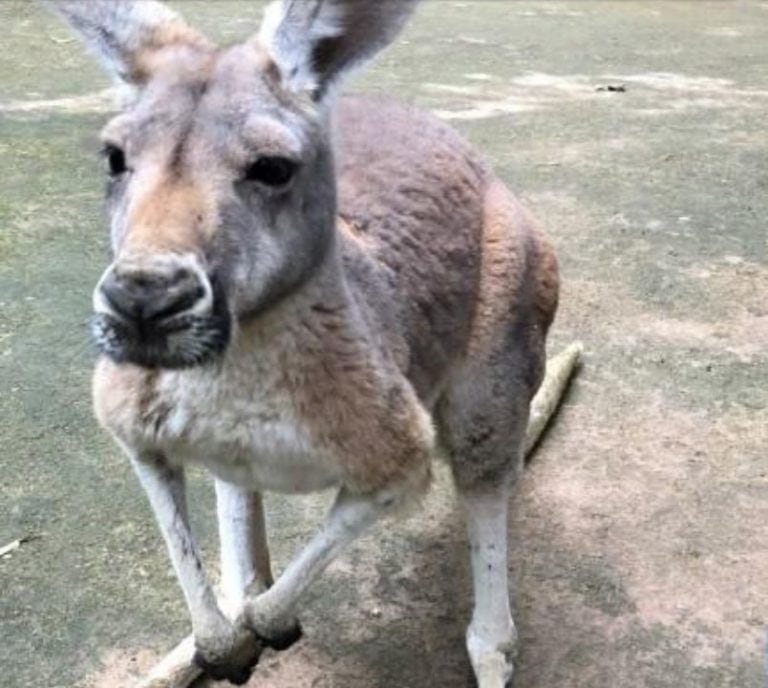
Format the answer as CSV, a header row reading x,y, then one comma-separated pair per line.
x,y
187,340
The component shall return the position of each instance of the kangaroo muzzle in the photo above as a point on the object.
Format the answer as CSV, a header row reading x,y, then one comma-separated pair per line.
x,y
159,312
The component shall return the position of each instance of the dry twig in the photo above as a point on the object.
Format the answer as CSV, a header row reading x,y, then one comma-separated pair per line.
x,y
13,546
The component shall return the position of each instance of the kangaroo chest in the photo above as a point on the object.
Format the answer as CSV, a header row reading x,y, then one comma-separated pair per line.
x,y
239,423
253,439
261,423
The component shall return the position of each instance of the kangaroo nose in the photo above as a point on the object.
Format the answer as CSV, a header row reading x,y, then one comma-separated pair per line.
x,y
145,296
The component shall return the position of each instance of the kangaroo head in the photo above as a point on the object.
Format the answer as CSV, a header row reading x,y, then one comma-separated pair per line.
x,y
221,190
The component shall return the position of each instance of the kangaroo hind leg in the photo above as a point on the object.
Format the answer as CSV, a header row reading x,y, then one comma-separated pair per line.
x,y
483,431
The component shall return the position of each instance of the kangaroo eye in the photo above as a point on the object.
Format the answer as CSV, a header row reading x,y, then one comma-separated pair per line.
x,y
115,157
271,170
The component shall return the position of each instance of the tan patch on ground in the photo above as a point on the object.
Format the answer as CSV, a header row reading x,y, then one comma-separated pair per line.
x,y
101,101
536,91
638,508
744,282
121,669
300,667
745,336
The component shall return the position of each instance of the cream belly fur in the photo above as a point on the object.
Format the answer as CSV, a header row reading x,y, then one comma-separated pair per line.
x,y
238,419
244,434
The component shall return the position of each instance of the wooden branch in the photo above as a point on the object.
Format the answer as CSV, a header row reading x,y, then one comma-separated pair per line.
x,y
177,670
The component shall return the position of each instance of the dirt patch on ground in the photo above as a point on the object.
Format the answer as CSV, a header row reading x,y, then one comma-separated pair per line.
x,y
103,101
121,668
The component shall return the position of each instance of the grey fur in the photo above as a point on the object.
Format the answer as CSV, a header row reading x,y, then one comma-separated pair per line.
x,y
392,287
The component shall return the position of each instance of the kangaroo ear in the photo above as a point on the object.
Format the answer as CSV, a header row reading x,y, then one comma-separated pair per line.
x,y
314,42
127,34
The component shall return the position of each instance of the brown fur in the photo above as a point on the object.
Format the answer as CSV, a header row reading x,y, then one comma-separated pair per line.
x,y
471,269
331,329
172,216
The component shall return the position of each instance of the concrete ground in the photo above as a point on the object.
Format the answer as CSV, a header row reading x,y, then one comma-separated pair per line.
x,y
639,540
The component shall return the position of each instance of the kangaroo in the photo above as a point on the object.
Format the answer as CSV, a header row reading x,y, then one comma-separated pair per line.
x,y
306,291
